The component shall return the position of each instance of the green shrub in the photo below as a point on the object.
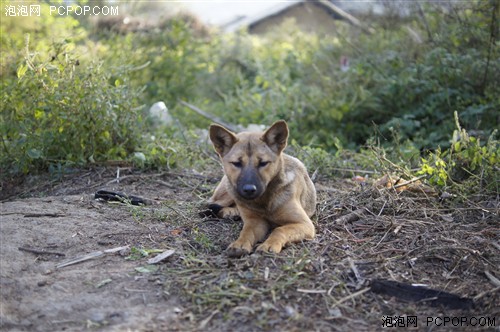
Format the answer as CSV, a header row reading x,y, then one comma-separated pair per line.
x,y
63,110
59,105
467,164
407,88
166,61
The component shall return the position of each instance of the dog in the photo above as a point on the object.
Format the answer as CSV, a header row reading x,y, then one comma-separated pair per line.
x,y
267,188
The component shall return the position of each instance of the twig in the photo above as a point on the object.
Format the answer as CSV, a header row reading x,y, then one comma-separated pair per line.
x,y
41,251
351,217
363,171
39,215
209,116
492,41
87,257
486,292
351,296
443,248
348,17
354,269
168,185
424,20
494,280
311,291
148,176
205,322
117,178
409,182
164,255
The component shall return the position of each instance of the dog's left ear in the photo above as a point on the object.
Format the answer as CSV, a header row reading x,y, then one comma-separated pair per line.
x,y
222,139
276,137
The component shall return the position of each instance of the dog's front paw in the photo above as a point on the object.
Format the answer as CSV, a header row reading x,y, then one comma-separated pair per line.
x,y
230,213
236,252
238,249
271,247
215,208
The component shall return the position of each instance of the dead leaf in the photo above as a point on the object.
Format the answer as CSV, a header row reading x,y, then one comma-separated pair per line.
x,y
176,232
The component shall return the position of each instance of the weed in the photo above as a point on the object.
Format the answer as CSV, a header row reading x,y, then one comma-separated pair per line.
x,y
466,164
138,213
138,253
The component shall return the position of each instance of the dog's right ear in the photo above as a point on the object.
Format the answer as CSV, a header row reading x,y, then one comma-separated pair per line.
x,y
276,136
222,139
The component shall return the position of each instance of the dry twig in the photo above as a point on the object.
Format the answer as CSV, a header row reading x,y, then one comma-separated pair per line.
x,y
351,217
87,257
41,251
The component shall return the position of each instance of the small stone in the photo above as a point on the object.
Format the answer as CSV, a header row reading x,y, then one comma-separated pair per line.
x,y
97,317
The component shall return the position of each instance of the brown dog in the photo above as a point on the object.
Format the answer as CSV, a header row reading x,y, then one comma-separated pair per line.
x,y
263,185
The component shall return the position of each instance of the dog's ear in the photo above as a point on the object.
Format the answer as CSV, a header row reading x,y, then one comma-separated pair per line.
x,y
276,137
222,139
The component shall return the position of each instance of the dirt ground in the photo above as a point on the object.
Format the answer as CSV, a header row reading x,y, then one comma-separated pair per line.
x,y
365,234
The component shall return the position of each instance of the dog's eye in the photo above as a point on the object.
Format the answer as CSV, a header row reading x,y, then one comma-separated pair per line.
x,y
237,164
263,163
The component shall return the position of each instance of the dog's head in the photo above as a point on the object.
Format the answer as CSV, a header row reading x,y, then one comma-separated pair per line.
x,y
250,159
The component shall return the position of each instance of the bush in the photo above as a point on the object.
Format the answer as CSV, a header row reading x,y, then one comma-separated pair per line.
x,y
467,166
60,110
407,87
60,106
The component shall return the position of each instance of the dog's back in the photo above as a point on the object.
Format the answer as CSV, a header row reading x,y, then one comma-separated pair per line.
x,y
295,168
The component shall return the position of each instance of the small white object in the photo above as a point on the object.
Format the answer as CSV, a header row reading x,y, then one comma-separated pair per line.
x,y
159,112
255,127
140,156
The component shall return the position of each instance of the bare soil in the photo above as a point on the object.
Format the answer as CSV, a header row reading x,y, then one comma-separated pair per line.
x,y
365,233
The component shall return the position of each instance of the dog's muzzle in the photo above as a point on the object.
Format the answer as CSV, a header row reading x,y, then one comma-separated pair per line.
x,y
248,186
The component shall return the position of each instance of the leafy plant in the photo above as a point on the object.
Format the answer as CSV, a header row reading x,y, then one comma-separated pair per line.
x,y
61,110
467,161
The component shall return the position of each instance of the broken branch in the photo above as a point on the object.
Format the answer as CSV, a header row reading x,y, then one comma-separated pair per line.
x,y
41,251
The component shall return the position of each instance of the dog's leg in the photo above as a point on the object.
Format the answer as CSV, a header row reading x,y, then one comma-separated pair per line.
x,y
295,226
254,230
221,203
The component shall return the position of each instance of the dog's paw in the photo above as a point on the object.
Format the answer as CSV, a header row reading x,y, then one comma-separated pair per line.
x,y
239,248
270,247
212,211
215,208
219,211
236,252
230,213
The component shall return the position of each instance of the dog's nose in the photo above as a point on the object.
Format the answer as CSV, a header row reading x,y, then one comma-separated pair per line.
x,y
249,189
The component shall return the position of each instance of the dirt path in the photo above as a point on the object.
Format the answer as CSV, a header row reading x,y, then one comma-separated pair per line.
x,y
36,296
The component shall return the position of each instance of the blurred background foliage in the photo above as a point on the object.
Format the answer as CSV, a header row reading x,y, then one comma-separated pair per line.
x,y
77,91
